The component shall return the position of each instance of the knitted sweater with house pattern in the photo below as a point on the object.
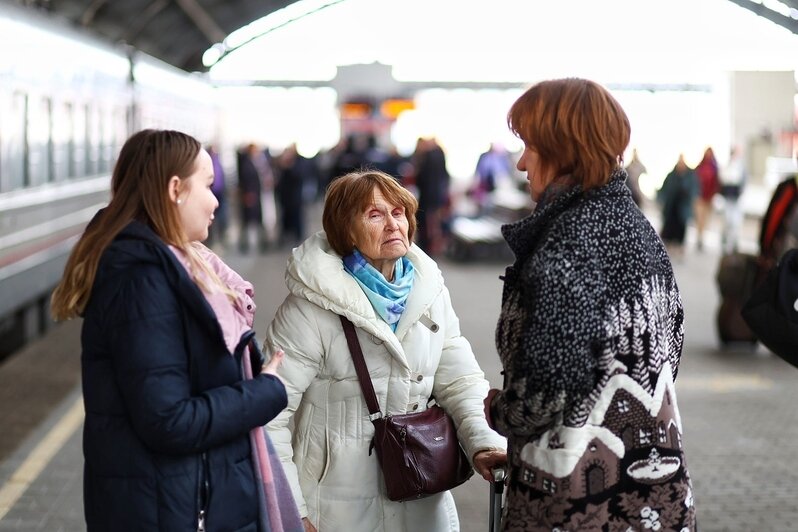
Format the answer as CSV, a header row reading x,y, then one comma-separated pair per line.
x,y
590,336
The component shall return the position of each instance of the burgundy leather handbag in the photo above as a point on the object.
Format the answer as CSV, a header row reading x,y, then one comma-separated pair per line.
x,y
418,452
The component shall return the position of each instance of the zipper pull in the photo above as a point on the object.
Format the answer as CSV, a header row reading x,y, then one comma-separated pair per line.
x,y
201,521
402,435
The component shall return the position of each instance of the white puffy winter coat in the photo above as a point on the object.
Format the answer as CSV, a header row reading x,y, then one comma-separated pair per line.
x,y
335,481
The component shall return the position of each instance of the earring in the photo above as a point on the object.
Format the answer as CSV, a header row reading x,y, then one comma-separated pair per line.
x,y
179,201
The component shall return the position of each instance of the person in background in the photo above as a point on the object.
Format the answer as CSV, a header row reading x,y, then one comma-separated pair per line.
x,y
493,170
349,155
709,184
590,332
432,182
634,170
218,230
268,198
174,389
677,197
294,173
254,172
364,267
391,162
732,182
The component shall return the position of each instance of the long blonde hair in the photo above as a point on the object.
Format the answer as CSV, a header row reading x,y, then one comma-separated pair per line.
x,y
139,191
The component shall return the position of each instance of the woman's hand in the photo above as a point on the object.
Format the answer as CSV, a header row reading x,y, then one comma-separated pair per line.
x,y
308,525
274,362
485,461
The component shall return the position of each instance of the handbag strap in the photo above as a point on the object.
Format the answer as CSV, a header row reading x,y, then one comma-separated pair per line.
x,y
361,369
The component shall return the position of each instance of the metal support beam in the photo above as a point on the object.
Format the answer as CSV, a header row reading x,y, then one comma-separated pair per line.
x,y
412,86
141,21
773,16
88,16
204,22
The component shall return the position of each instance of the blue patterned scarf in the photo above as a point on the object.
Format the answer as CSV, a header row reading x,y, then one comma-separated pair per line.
x,y
387,298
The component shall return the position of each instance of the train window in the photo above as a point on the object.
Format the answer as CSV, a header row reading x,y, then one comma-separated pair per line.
x,y
72,166
39,110
101,139
107,145
120,129
63,167
12,141
79,140
92,139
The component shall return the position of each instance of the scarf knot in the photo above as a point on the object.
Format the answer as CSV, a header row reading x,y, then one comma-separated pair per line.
x,y
388,298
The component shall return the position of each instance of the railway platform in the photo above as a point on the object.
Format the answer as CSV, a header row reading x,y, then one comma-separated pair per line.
x,y
737,405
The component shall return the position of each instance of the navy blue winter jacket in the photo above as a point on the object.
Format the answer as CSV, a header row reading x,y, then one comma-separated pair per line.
x,y
167,412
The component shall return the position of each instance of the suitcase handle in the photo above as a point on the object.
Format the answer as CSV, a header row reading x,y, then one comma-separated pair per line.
x,y
496,498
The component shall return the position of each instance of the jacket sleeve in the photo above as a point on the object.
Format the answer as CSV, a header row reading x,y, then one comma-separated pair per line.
x,y
553,365
150,359
295,331
460,387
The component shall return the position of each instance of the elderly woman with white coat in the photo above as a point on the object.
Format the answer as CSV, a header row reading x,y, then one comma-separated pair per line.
x,y
364,267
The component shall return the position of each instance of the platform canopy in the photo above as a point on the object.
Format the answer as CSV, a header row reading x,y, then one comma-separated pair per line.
x,y
175,31
179,32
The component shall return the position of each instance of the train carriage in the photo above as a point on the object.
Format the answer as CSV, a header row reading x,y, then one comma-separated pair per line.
x,y
67,104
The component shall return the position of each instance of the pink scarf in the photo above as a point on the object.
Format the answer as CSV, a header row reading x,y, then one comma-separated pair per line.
x,y
279,513
277,508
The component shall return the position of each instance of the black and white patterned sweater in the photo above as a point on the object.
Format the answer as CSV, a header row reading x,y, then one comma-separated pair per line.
x,y
590,336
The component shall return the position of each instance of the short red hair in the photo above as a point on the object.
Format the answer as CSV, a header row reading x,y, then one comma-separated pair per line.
x,y
576,127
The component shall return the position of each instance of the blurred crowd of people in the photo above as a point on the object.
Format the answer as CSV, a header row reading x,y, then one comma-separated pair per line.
x,y
689,194
271,194
271,191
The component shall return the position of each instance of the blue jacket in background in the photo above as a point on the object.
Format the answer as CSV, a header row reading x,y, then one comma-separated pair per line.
x,y
167,412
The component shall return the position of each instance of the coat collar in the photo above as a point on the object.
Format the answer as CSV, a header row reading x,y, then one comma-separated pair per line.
x,y
523,236
316,273
140,244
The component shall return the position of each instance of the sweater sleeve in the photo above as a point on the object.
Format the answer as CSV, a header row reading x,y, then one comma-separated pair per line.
x,y
150,364
553,366
460,387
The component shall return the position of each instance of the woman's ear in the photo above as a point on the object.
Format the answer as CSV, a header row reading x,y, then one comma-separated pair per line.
x,y
174,188
353,239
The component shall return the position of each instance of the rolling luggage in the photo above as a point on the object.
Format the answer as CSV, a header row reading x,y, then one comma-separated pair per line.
x,y
737,275
496,499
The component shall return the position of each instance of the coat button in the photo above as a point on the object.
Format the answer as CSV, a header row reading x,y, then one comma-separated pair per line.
x,y
419,377
415,406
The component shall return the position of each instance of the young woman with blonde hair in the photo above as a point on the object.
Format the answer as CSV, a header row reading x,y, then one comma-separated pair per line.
x,y
173,387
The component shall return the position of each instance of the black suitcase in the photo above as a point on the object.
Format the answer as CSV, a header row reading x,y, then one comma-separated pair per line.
x,y
737,275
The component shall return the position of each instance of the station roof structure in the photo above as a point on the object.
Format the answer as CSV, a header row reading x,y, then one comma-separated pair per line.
x,y
180,31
